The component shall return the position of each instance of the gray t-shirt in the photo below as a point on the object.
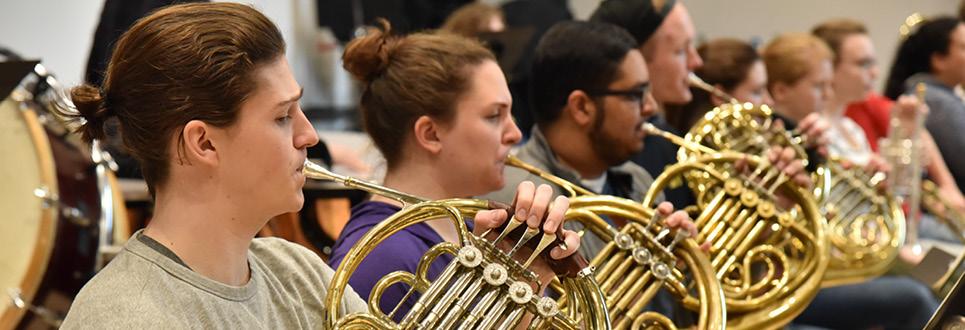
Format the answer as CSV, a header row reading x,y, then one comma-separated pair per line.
x,y
145,288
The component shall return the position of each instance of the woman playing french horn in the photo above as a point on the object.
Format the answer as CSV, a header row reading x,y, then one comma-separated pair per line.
x,y
800,75
437,106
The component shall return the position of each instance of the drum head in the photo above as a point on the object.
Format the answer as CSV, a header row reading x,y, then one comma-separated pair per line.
x,y
27,224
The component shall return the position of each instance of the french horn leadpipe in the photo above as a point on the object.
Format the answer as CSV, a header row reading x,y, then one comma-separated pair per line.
x,y
866,227
758,248
482,287
640,258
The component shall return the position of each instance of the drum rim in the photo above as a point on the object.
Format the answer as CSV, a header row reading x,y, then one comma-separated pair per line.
x,y
44,243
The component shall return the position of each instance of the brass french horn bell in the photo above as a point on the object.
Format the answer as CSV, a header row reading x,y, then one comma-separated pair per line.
x,y
759,248
866,228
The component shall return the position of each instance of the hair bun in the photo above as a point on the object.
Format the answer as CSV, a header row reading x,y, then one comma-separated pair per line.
x,y
367,57
91,106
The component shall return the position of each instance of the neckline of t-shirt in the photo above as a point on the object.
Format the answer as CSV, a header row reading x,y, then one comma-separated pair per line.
x,y
192,278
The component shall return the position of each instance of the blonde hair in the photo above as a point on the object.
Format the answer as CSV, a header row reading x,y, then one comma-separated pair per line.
x,y
835,31
790,57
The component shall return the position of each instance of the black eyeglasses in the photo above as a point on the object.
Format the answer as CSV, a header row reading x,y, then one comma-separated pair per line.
x,y
636,94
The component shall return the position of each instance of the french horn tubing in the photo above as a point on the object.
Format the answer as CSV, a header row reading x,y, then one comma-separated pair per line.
x,y
769,258
866,226
640,258
482,288
933,202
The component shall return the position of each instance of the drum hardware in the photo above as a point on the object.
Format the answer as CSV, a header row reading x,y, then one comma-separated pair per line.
x,y
105,165
51,200
48,316
48,198
55,204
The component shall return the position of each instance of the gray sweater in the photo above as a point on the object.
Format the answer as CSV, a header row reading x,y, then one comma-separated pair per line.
x,y
945,122
537,152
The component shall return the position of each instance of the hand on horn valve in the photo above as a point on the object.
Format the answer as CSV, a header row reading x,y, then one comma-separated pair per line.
x,y
791,168
537,209
785,160
877,169
679,220
814,128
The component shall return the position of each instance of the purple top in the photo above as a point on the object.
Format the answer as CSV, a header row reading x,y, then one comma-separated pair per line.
x,y
401,251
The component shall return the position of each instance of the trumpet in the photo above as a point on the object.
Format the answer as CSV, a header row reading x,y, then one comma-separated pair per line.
x,y
902,149
639,259
866,229
483,286
756,245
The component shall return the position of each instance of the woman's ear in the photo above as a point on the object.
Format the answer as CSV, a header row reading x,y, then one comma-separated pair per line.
x,y
427,134
197,144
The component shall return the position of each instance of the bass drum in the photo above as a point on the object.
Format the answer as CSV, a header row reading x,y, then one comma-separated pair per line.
x,y
52,204
29,219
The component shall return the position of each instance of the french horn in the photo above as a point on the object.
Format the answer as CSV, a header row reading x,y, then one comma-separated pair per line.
x,y
866,227
482,288
769,258
640,258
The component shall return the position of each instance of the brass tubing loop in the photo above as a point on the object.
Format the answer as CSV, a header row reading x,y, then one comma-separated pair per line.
x,y
641,258
768,245
866,226
483,287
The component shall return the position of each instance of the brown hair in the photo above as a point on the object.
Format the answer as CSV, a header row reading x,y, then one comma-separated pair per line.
x,y
181,63
727,62
471,20
406,77
961,11
789,57
834,32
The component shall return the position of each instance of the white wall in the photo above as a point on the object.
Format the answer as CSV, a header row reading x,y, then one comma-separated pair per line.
x,y
765,19
60,31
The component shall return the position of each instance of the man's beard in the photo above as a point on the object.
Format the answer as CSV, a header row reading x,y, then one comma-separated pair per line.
x,y
605,145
